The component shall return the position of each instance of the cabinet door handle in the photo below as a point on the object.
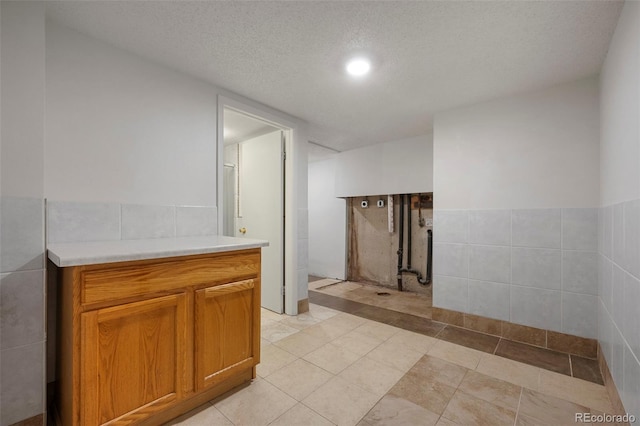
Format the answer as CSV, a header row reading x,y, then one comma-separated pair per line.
x,y
243,230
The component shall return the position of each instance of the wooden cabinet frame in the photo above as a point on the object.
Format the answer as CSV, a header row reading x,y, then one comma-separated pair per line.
x,y
208,304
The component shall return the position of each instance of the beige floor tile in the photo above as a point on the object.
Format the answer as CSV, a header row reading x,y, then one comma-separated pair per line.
x,y
260,403
432,395
332,358
299,378
276,331
321,312
264,342
495,391
206,414
575,390
301,415
469,410
388,354
371,375
341,402
300,321
272,358
346,320
461,355
414,341
357,343
446,422
510,371
377,330
327,330
545,409
301,344
264,322
432,369
270,315
396,411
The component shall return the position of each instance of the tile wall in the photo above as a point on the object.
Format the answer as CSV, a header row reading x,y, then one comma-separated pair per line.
x,y
619,297
534,267
22,296
77,222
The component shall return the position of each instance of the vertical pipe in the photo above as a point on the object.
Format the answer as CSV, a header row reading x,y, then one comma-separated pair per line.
x,y
429,254
409,231
400,240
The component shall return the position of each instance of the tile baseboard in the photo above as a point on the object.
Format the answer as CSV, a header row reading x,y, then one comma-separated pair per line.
x,y
614,396
547,339
303,306
32,421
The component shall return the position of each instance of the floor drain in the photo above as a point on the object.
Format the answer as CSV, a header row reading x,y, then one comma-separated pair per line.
x,y
383,293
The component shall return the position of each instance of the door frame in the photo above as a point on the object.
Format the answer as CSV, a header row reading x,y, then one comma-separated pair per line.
x,y
291,131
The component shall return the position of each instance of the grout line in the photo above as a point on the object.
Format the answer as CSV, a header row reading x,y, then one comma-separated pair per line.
x,y
515,421
570,366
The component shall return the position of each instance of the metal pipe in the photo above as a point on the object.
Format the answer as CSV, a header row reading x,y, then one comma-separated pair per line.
x,y
400,240
429,254
409,232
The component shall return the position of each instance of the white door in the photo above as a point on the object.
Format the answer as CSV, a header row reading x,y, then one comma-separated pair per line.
x,y
261,209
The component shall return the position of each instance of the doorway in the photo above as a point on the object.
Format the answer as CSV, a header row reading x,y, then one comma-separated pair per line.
x,y
253,194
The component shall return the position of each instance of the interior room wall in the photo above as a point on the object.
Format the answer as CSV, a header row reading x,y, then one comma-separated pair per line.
x,y
161,155
516,190
619,230
535,150
327,222
123,129
397,167
22,285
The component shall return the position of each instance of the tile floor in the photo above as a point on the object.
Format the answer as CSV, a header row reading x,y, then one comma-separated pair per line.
x,y
327,367
412,312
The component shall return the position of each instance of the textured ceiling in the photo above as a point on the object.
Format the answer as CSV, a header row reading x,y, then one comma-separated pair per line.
x,y
427,56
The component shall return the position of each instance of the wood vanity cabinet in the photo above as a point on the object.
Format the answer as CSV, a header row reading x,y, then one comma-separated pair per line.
x,y
141,342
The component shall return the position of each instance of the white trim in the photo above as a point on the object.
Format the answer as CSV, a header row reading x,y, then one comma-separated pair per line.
x,y
291,200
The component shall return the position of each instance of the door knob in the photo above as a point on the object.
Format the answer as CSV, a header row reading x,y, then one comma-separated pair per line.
x,y
243,230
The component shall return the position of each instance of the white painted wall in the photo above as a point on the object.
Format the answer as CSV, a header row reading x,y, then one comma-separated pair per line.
x,y
619,236
327,222
398,167
23,337
123,129
620,112
23,73
535,150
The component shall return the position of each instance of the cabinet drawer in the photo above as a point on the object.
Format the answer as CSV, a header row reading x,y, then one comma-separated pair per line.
x,y
100,283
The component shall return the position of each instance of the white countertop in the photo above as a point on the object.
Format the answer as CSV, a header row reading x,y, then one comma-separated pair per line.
x,y
87,253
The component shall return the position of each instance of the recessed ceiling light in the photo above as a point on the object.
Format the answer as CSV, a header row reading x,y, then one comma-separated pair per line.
x,y
358,67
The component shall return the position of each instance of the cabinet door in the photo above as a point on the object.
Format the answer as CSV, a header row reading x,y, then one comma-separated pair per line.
x,y
227,331
132,360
